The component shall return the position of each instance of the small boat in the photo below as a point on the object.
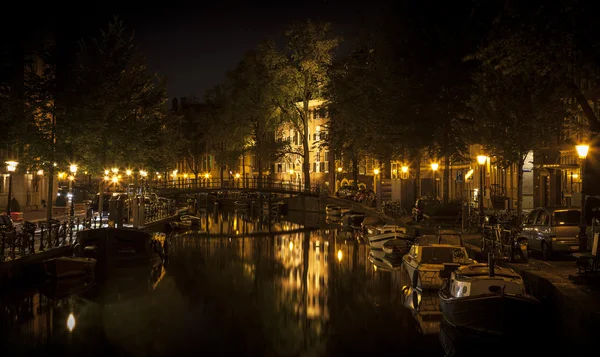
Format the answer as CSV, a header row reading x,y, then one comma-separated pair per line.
x,y
398,246
376,241
378,259
333,210
385,228
349,211
353,221
119,248
241,205
487,300
425,308
68,267
427,265
186,221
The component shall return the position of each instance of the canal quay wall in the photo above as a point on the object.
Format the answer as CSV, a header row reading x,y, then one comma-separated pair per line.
x,y
574,312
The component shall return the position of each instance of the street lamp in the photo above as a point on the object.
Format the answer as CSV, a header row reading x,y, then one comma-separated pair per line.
x,y
375,172
434,167
73,169
481,160
11,166
582,151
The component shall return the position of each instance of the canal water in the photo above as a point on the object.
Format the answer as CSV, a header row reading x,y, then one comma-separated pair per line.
x,y
239,287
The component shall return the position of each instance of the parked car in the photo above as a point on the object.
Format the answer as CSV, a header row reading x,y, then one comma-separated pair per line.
x,y
347,191
422,204
552,229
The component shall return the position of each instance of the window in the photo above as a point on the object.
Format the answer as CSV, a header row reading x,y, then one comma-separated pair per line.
x,y
531,218
542,219
566,218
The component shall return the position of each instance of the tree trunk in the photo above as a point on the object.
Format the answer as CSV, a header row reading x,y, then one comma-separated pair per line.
x,y
355,170
520,186
50,196
446,183
306,161
417,170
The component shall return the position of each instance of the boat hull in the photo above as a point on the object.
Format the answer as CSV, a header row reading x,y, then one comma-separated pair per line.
x,y
118,248
494,313
68,267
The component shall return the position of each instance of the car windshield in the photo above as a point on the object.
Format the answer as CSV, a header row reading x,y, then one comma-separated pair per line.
x,y
441,255
566,218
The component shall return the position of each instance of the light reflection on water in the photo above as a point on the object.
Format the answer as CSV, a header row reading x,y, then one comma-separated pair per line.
x,y
307,293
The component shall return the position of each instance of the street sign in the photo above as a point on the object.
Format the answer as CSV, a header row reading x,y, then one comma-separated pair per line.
x,y
459,176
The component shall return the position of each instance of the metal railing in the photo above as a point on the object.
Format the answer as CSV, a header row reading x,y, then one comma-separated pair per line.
x,y
49,234
215,184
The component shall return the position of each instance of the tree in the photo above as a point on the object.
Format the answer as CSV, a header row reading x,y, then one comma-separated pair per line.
x,y
309,52
557,40
118,114
515,114
253,93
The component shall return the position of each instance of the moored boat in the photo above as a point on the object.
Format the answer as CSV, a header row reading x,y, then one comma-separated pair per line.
x,y
487,300
376,241
425,308
398,246
426,264
333,210
68,267
118,247
353,221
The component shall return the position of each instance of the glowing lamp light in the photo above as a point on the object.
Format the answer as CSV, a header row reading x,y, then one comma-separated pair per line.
x,y
11,166
40,172
481,159
61,175
434,166
405,169
106,172
206,176
339,255
582,150
115,170
71,322
143,173
115,179
340,169
106,178
73,169
71,178
128,172
237,176
185,176
376,171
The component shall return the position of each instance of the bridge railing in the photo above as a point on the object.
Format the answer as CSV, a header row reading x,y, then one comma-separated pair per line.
x,y
238,183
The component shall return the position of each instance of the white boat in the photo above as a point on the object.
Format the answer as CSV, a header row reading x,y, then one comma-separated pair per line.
x,y
333,210
426,264
386,228
376,241
479,298
380,261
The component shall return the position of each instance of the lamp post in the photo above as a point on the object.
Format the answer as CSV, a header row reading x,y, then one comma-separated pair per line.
x,y
375,174
481,160
404,198
582,151
73,169
11,166
434,167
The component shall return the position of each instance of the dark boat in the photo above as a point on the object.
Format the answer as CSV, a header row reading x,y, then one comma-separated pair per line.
x,y
353,220
68,267
398,246
491,301
119,248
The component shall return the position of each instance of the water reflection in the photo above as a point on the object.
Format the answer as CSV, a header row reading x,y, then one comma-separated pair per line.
x,y
245,289
425,308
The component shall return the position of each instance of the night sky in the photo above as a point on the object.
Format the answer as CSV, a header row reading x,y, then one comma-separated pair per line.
x,y
195,46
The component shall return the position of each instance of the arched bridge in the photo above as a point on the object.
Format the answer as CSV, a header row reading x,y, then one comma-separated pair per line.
x,y
211,185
